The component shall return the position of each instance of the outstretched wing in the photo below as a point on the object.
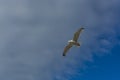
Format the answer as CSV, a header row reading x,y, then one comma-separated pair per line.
x,y
76,34
66,49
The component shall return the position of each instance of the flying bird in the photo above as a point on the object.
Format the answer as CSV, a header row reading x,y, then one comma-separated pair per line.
x,y
72,42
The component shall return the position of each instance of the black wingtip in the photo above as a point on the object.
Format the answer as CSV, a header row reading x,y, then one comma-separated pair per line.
x,y
82,28
64,55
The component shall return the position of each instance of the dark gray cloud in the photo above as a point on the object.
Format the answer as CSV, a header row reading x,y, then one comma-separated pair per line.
x,y
33,34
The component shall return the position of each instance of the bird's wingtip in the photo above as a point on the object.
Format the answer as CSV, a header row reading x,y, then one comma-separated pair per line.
x,y
82,28
64,55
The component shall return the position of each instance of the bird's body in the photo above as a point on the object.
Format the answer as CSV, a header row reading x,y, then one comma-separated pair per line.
x,y
73,41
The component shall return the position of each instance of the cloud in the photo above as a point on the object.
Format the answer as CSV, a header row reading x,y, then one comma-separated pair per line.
x,y
34,33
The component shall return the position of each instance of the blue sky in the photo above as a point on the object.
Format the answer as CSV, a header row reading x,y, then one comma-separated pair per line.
x,y
106,67
33,34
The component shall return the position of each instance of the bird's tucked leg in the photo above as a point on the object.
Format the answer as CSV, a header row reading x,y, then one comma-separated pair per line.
x,y
77,44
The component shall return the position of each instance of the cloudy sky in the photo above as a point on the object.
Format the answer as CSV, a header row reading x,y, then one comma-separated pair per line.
x,y
33,34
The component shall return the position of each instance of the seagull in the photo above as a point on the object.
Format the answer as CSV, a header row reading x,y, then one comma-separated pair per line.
x,y
74,41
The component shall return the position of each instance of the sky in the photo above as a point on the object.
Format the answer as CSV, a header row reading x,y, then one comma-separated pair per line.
x,y
33,34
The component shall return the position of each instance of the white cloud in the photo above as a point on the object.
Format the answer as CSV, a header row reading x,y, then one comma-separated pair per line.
x,y
34,33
